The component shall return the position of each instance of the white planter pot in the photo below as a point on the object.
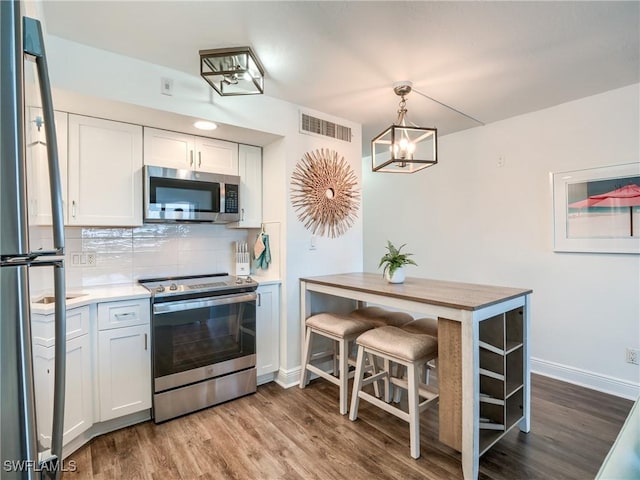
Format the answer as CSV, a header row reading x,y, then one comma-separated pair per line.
x,y
397,277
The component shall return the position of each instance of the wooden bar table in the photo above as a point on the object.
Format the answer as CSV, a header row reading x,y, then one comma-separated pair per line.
x,y
483,353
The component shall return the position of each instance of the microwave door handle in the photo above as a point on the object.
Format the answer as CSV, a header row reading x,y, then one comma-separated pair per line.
x,y
34,46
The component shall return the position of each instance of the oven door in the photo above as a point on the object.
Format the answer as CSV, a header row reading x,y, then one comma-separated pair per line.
x,y
202,338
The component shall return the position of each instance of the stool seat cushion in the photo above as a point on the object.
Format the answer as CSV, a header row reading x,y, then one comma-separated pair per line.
x,y
398,343
426,326
381,317
338,325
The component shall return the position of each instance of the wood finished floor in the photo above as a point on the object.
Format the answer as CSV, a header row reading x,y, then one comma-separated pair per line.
x,y
299,434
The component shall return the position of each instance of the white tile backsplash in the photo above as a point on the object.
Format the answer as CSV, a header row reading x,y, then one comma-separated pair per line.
x,y
124,255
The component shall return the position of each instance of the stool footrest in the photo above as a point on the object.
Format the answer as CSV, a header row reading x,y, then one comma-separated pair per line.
x,y
425,391
374,378
320,355
323,374
383,405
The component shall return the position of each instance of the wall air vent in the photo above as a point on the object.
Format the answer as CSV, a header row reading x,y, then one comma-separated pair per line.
x,y
317,126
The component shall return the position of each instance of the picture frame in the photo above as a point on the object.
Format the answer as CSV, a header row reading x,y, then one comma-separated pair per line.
x,y
597,210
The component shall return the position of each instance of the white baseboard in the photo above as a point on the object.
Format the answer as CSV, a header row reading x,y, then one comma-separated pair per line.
x,y
288,378
584,378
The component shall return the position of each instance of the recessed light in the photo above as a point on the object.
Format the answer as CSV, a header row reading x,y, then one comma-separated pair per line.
x,y
204,125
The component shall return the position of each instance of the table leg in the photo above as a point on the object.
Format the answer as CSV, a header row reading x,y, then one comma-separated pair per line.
x,y
470,399
525,423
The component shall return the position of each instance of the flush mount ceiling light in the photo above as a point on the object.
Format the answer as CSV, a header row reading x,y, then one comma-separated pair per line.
x,y
404,148
232,71
204,125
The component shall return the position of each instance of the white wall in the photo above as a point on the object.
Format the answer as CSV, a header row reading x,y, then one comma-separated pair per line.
x,y
88,71
467,219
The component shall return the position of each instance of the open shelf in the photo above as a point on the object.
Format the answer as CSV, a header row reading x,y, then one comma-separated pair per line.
x,y
501,372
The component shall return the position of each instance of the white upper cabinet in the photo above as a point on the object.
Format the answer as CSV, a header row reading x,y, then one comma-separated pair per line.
x,y
38,165
163,148
216,156
250,170
104,172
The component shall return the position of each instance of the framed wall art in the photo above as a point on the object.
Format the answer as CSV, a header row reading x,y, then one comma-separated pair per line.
x,y
597,209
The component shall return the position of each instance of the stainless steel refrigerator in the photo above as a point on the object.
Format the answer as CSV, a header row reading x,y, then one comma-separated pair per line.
x,y
21,44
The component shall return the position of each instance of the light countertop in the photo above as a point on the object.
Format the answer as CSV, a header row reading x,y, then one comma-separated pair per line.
x,y
88,295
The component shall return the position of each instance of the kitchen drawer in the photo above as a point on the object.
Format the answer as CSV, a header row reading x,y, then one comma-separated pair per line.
x,y
125,313
43,326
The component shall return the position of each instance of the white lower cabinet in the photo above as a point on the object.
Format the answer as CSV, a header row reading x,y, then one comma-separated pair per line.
x,y
268,329
78,411
124,358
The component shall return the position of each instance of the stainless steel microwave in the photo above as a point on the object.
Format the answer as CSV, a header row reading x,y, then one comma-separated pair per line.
x,y
172,195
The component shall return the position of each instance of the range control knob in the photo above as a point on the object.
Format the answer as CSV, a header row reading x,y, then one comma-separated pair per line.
x,y
173,287
160,288
238,280
248,280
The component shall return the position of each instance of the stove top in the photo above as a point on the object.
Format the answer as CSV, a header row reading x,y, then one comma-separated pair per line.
x,y
214,283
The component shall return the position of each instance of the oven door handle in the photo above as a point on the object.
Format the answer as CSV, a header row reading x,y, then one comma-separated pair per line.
x,y
191,304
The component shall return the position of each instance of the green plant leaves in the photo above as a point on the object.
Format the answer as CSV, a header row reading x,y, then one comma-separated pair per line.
x,y
393,259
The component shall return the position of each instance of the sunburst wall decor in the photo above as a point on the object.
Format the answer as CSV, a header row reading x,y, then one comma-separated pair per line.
x,y
324,193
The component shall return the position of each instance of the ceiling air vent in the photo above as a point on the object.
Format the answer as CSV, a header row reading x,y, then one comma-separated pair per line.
x,y
317,126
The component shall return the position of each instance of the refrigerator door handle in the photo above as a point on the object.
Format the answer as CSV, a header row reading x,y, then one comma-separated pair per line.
x,y
33,44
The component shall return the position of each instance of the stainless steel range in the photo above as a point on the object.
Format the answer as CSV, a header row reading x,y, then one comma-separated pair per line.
x,y
204,341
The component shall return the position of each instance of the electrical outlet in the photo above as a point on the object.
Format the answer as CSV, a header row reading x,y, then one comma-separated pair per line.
x,y
632,356
91,259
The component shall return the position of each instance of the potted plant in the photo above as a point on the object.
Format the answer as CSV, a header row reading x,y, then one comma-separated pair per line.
x,y
394,262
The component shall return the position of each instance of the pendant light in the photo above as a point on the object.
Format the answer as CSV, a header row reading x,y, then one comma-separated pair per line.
x,y
404,147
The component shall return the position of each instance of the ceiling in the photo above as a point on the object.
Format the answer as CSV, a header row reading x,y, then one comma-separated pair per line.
x,y
490,60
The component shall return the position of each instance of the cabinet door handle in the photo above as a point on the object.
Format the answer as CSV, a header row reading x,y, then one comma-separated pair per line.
x,y
242,217
259,299
145,341
199,159
73,208
191,158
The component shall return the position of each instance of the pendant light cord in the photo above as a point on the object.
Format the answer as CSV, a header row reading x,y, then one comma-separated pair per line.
x,y
449,107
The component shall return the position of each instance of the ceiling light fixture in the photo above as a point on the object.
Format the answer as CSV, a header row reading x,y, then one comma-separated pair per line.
x,y
403,147
204,125
232,71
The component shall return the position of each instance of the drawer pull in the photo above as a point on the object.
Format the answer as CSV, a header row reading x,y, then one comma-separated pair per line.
x,y
124,315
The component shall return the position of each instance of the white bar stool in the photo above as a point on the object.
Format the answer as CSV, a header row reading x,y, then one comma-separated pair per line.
x,y
381,317
341,329
404,348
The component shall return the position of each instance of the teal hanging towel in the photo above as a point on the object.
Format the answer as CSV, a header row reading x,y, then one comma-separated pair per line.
x,y
262,251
